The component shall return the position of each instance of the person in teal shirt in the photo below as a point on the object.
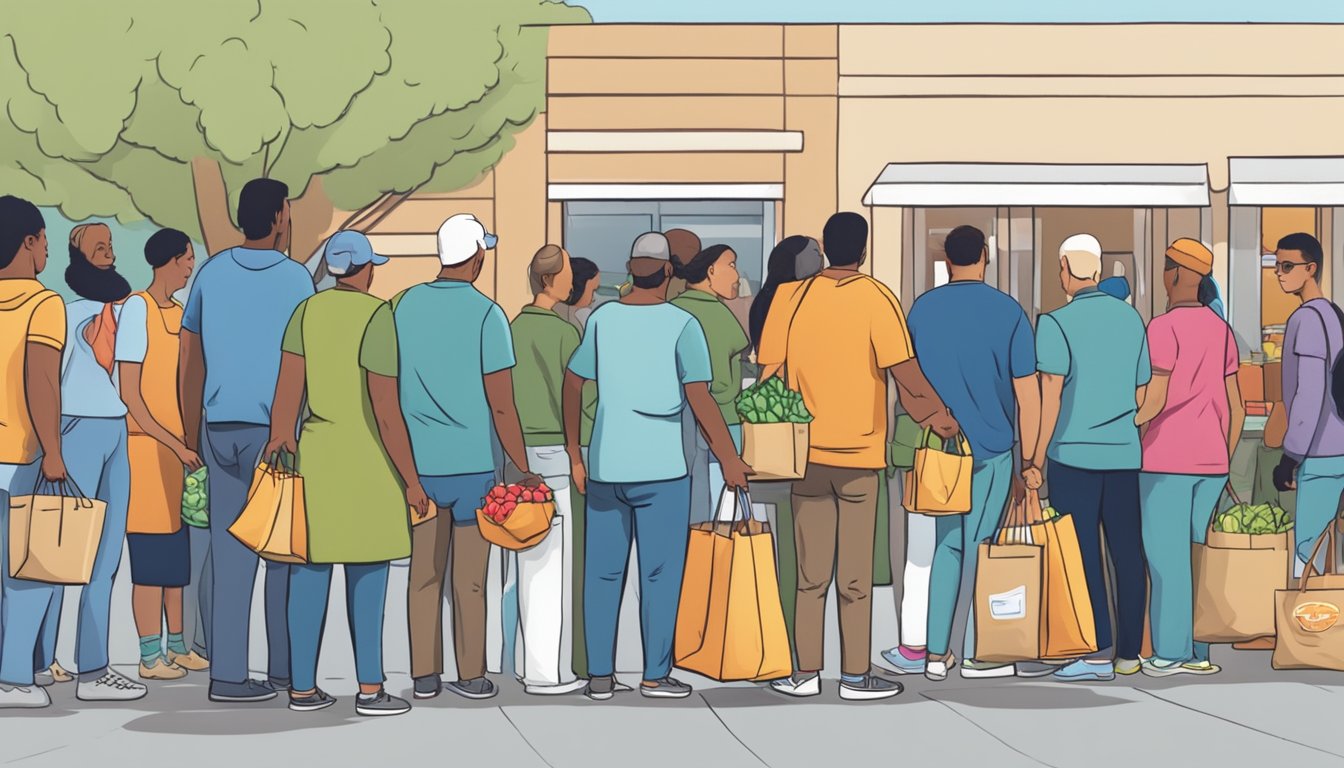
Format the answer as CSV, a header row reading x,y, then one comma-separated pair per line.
x,y
1092,354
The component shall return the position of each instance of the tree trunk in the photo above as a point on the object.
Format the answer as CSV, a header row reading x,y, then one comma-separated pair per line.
x,y
312,220
212,206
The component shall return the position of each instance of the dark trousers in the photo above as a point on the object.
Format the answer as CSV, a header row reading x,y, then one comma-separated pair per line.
x,y
1107,499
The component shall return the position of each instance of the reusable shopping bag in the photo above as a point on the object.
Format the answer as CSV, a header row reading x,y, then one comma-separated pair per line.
x,y
514,517
53,536
1069,626
1009,581
939,483
1310,635
730,622
274,522
1236,577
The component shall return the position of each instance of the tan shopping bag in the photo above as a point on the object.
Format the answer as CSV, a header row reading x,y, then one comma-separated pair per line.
x,y
1009,583
940,481
274,522
1236,578
1310,635
775,451
54,537
1067,621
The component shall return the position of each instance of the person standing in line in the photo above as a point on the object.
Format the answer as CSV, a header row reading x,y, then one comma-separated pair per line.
x,y
976,346
543,343
359,478
683,245
794,258
1192,417
712,278
650,361
147,349
1313,448
235,319
1092,355
32,339
456,384
837,335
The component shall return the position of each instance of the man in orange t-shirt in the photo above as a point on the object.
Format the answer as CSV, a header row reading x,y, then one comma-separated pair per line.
x,y
836,336
32,335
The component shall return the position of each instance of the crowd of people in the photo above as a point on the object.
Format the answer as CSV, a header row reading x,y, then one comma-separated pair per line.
x,y
396,414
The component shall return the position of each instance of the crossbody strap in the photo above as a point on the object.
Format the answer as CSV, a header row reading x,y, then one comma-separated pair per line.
x,y
1326,397
788,330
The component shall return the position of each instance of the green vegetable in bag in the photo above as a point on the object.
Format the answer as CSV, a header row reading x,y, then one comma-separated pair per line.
x,y
770,402
196,499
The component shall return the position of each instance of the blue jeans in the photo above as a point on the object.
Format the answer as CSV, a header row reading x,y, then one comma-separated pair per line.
x,y
952,579
1319,485
656,516
1176,510
1110,498
365,601
231,451
95,457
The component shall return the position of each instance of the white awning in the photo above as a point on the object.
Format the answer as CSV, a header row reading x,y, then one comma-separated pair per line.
x,y
942,185
694,191
1300,181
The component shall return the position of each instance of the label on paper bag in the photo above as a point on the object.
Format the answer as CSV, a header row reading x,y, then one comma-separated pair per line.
x,y
1006,606
1316,616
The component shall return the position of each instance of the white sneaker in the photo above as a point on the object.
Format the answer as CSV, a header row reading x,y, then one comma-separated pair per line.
x,y
980,670
558,689
798,686
110,687
936,669
23,697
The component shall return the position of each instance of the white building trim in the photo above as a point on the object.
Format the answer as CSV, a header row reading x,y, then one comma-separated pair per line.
x,y
674,141
936,185
665,191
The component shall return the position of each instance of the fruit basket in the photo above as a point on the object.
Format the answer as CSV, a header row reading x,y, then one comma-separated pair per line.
x,y
515,516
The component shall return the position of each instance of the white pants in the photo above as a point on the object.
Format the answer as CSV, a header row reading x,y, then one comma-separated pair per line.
x,y
920,538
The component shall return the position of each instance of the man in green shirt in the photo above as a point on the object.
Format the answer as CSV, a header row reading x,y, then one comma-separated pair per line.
x,y
711,279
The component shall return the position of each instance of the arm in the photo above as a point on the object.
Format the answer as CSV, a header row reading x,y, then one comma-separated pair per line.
x,y
1027,390
1305,411
135,405
1237,412
191,386
711,422
288,401
1052,392
386,399
920,401
42,382
571,403
499,391
1152,398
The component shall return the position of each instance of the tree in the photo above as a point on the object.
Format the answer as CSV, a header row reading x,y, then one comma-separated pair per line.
x,y
149,109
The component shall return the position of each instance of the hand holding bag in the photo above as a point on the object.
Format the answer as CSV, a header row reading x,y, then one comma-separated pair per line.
x,y
274,522
1310,635
940,481
54,536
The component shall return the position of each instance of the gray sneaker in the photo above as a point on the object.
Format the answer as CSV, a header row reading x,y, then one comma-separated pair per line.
x,y
667,688
600,688
479,688
23,697
428,687
871,689
314,701
383,704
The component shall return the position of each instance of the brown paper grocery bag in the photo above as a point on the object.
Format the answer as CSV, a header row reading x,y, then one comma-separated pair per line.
x,y
274,522
775,451
54,538
1009,584
1236,578
1307,620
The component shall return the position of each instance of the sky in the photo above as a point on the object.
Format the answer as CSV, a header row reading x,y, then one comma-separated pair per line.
x,y
964,10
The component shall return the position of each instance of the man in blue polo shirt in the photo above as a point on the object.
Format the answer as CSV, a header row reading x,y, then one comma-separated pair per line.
x,y
236,314
976,348
1092,354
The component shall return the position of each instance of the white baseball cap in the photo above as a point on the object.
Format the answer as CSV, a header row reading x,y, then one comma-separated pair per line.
x,y
460,237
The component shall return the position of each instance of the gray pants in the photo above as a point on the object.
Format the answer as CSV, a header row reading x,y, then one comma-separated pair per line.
x,y
231,451
196,596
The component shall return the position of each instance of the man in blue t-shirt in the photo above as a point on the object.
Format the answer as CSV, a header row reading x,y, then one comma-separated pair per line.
x,y
976,348
236,314
455,375
650,361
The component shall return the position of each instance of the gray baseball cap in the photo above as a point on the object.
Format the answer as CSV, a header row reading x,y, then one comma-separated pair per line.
x,y
651,245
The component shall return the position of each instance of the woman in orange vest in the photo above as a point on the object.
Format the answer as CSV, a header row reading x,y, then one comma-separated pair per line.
x,y
146,355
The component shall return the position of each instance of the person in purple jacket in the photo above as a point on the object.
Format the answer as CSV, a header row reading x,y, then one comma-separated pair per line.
x,y
1313,449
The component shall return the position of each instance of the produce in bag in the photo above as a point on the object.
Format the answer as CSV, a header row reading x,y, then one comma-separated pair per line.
x,y
1254,520
196,499
771,402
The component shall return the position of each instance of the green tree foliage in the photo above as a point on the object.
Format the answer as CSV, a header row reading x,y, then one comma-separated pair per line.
x,y
107,104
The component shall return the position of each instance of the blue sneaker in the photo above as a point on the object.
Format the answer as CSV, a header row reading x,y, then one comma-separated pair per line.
x,y
1085,671
901,665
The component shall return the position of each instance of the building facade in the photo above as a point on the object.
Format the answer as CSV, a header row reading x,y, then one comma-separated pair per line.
x,y
1137,133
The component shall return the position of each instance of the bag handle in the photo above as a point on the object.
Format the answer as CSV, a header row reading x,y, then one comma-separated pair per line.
x,y
956,445
788,330
1331,566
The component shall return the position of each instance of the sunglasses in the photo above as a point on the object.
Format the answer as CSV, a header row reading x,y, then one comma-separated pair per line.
x,y
1284,267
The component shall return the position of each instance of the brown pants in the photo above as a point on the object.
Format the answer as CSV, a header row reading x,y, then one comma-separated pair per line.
x,y
429,562
835,520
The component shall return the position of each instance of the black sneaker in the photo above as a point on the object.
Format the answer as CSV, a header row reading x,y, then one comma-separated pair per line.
x,y
667,688
870,689
601,688
479,688
382,704
279,684
246,692
314,701
428,687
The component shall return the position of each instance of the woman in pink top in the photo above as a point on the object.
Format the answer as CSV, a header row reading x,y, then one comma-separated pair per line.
x,y
1191,418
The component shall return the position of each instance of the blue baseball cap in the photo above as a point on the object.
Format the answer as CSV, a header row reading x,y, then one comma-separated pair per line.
x,y
348,250
1115,286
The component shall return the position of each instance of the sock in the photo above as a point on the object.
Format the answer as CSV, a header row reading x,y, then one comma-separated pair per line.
x,y
912,654
176,644
852,679
150,648
367,696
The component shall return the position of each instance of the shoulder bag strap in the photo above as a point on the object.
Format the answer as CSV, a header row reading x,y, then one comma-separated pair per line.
x,y
788,330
